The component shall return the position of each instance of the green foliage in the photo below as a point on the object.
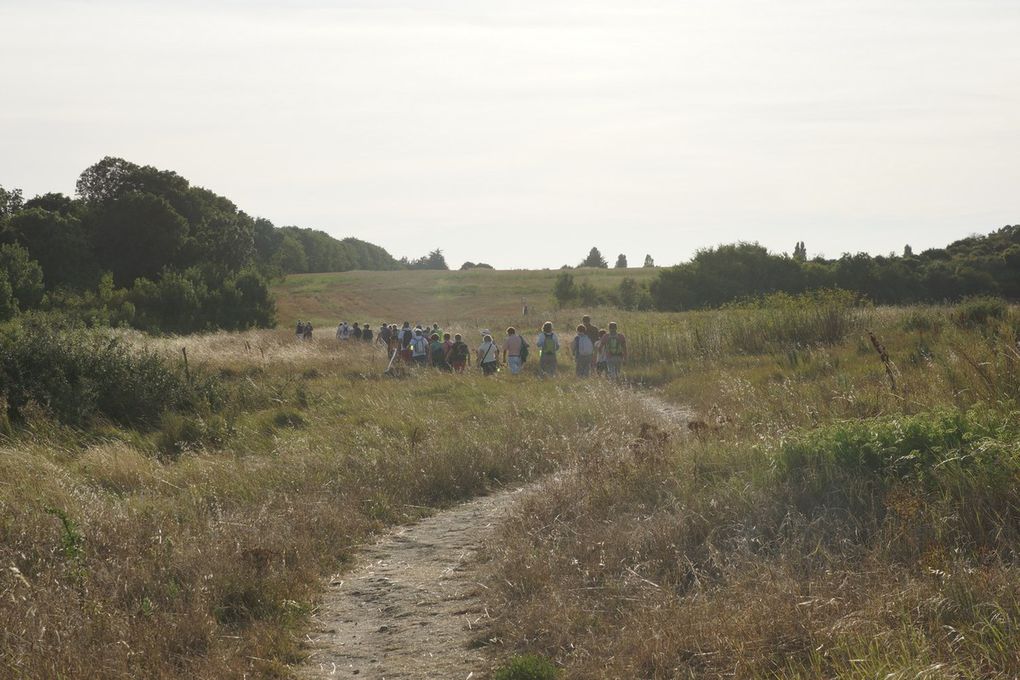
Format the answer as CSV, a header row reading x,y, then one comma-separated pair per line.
x,y
594,259
979,310
564,290
21,281
649,262
434,260
11,201
79,375
527,667
57,241
949,455
980,265
298,250
621,261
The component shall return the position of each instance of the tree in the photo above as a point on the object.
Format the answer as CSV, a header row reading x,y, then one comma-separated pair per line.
x,y
800,252
137,235
621,261
11,201
908,251
59,244
628,292
434,260
595,259
22,277
564,290
589,295
649,262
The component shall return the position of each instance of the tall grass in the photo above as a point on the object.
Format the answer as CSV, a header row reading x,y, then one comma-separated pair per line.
x,y
206,563
820,524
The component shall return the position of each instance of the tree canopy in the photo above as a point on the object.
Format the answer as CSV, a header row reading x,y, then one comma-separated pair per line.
x,y
144,246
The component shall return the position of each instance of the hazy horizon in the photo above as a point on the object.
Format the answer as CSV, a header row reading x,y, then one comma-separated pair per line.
x,y
523,135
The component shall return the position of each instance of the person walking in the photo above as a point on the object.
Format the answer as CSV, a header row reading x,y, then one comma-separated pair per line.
x,y
356,331
512,350
366,333
591,331
458,354
548,345
419,348
437,354
308,331
600,354
616,351
582,348
488,356
299,332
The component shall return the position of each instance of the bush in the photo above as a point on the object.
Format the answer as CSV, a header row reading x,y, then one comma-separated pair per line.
x,y
527,667
978,311
79,374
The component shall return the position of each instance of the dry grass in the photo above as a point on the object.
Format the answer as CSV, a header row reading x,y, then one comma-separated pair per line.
x,y
878,547
205,564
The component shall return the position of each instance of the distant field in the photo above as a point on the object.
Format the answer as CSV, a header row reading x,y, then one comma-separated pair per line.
x,y
371,297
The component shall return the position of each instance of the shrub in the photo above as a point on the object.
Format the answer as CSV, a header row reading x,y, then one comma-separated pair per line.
x,y
978,311
79,374
527,667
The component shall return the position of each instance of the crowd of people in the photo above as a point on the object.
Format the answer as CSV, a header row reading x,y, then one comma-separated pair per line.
x,y
592,349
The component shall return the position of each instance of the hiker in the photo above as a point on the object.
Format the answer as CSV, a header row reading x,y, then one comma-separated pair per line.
x,y
299,332
447,345
437,354
343,331
616,351
457,357
548,344
383,338
591,331
366,333
582,348
600,354
308,331
512,348
488,355
356,331
406,334
419,348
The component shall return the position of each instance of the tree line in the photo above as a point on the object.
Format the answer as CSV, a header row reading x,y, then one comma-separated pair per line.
x,y
142,246
977,265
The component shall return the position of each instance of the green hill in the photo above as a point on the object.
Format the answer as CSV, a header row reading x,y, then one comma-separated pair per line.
x,y
375,296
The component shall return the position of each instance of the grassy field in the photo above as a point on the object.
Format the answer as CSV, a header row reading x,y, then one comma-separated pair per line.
x,y
833,514
478,295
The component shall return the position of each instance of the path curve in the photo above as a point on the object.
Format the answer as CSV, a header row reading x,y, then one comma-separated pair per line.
x,y
412,607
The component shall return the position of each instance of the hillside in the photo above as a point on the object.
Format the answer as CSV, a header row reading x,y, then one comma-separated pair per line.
x,y
325,299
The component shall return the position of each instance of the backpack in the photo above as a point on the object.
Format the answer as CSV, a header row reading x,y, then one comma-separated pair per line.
x,y
614,347
524,350
583,346
549,344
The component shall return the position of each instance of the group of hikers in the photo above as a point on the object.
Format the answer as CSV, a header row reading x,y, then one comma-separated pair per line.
x,y
602,350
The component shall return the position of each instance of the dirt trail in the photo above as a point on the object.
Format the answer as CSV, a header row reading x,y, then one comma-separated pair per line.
x,y
412,607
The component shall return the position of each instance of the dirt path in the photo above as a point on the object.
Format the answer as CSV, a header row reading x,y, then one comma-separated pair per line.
x,y
412,606
409,609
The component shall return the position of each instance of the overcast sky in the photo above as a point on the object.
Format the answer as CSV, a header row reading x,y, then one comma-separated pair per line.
x,y
523,133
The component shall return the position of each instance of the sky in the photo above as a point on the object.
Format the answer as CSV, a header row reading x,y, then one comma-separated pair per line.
x,y
523,133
